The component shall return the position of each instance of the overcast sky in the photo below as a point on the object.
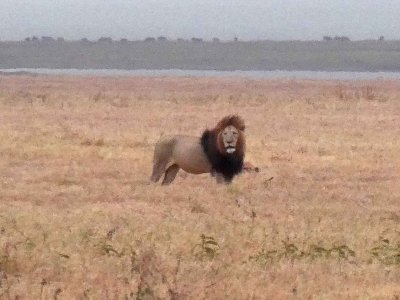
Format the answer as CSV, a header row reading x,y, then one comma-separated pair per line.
x,y
246,19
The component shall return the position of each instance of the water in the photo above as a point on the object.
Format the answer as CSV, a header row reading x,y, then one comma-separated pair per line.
x,y
325,75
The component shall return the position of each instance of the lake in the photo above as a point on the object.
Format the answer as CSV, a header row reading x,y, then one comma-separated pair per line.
x,y
324,75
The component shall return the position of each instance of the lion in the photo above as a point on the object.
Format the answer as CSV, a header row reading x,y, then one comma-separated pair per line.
x,y
219,151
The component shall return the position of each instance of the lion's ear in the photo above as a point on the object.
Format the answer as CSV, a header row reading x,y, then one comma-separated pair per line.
x,y
240,125
238,122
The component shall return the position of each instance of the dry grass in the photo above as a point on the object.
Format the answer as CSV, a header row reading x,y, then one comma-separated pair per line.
x,y
79,219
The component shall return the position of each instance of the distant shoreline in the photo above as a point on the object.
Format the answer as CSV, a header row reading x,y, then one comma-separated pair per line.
x,y
276,74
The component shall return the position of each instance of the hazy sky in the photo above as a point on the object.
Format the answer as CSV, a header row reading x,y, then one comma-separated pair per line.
x,y
246,19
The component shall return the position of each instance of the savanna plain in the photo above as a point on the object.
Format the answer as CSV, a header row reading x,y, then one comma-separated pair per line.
x,y
79,218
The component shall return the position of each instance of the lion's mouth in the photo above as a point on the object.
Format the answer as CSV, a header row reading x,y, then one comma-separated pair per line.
x,y
230,149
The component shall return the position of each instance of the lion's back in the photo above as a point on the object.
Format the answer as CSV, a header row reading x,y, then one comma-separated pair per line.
x,y
185,151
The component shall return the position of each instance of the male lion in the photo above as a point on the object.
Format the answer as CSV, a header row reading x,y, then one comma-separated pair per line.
x,y
219,151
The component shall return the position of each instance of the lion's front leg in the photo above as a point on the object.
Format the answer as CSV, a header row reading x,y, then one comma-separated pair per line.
x,y
220,178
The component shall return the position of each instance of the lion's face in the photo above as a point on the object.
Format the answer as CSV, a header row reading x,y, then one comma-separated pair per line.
x,y
230,137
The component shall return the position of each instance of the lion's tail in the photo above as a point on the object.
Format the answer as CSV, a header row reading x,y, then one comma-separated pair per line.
x,y
162,156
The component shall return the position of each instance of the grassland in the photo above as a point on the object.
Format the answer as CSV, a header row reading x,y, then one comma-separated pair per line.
x,y
261,55
80,220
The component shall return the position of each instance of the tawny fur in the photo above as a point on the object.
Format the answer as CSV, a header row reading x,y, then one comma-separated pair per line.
x,y
197,155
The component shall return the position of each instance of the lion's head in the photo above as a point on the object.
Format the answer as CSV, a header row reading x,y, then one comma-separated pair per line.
x,y
224,146
230,135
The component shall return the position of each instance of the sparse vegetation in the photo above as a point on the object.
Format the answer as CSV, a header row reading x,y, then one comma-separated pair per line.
x,y
197,40
208,248
290,251
386,251
80,220
105,40
341,38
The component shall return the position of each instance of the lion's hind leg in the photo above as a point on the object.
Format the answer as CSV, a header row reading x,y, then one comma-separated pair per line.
x,y
162,158
170,174
159,168
158,171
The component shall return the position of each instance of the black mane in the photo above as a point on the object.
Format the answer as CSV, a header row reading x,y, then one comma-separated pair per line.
x,y
228,165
